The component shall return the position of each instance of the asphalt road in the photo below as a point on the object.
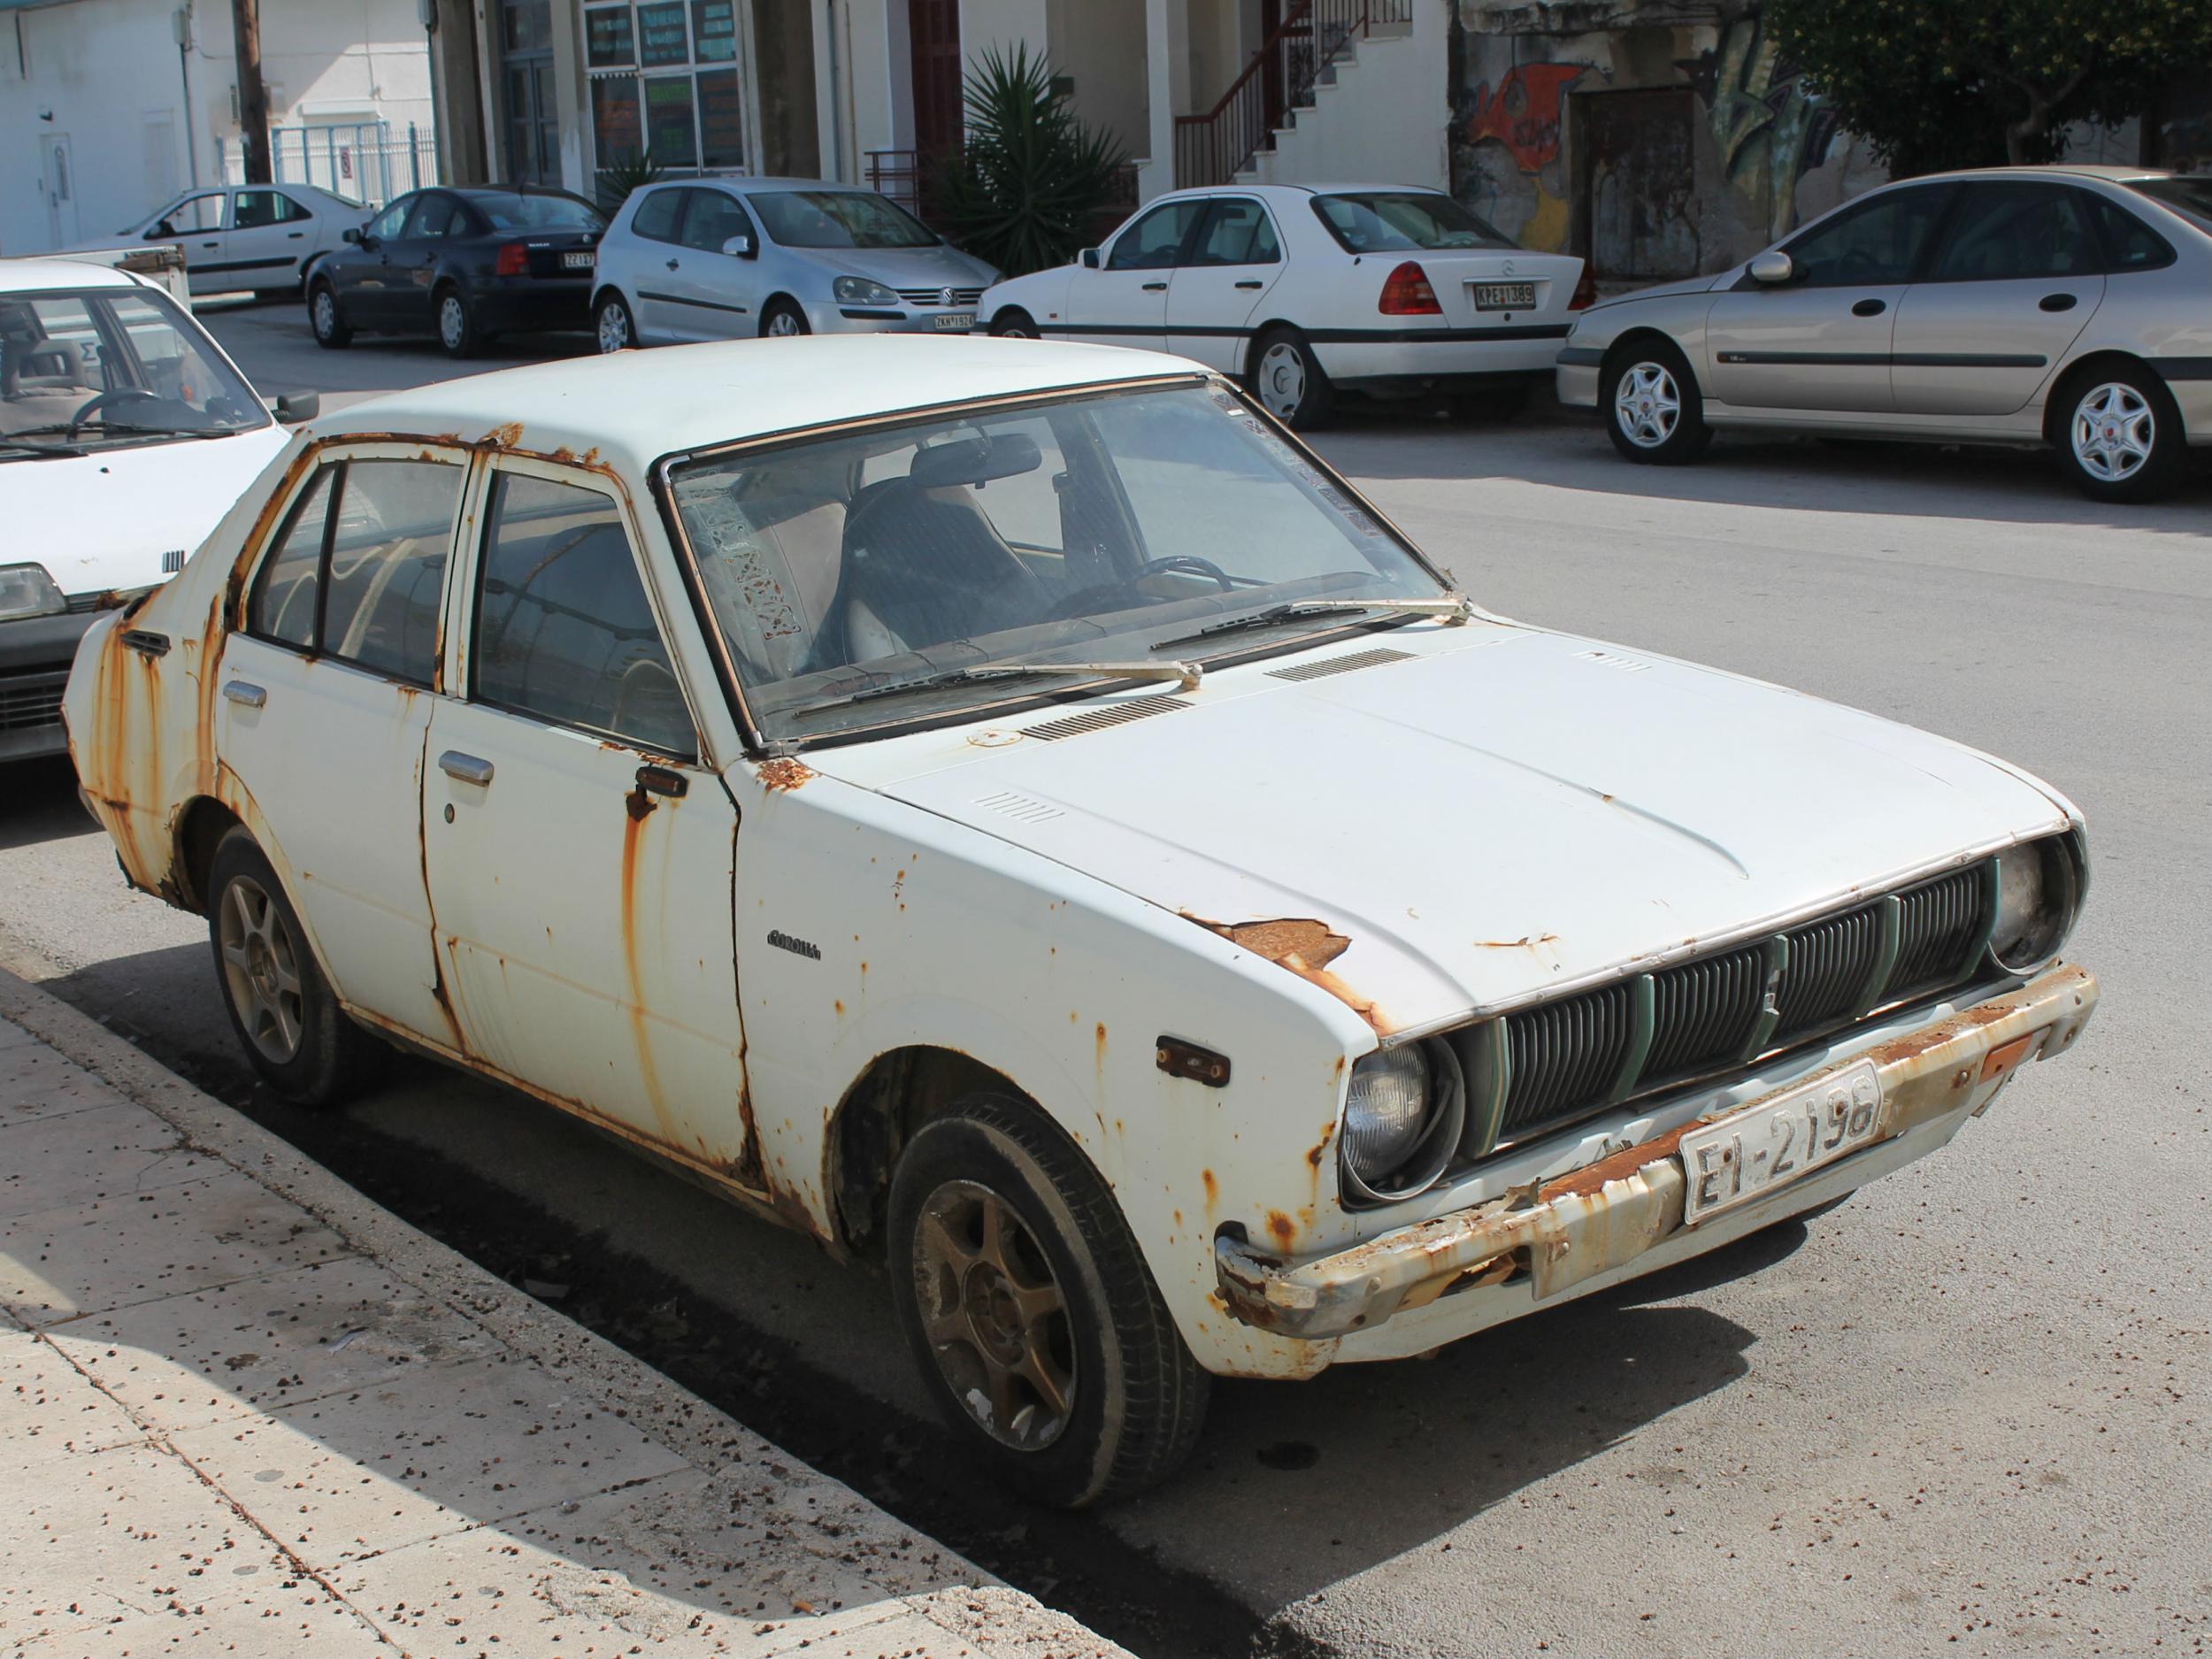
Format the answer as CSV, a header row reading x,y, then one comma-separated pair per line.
x,y
1964,1413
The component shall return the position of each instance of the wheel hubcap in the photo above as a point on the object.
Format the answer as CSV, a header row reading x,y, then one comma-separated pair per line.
x,y
997,1321
1647,404
1282,380
325,314
783,323
260,969
614,329
451,321
2114,432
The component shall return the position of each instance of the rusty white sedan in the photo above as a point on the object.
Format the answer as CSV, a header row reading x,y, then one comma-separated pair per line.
x,y
1009,810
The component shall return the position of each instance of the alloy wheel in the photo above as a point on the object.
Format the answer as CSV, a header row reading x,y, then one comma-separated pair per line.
x,y
2114,432
453,322
1647,404
614,328
325,314
783,325
1282,380
261,969
996,1320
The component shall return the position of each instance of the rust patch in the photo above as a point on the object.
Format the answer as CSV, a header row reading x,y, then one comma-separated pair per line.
x,y
1526,941
1617,1166
637,804
1213,1189
506,436
1282,1229
1320,1149
640,1035
1305,947
784,774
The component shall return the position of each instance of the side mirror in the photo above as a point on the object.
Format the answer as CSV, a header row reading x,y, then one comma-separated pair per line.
x,y
161,230
353,234
293,407
739,247
1089,256
1771,267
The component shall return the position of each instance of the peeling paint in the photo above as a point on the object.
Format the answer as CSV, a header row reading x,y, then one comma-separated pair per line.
x,y
1305,947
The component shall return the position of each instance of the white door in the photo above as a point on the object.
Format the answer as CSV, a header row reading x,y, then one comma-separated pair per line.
x,y
58,179
1214,292
324,708
1124,302
195,223
579,854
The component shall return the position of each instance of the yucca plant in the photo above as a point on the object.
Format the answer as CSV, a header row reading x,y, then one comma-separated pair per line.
x,y
1031,181
632,174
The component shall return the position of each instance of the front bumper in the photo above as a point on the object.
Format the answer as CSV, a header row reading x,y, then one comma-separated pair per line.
x,y
1622,1216
34,656
1575,379
828,317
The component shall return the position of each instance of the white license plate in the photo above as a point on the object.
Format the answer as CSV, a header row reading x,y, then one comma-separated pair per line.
x,y
578,261
1505,296
965,321
1750,1154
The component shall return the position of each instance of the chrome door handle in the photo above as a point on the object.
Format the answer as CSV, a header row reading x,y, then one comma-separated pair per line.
x,y
1870,308
1251,285
1156,288
467,768
245,694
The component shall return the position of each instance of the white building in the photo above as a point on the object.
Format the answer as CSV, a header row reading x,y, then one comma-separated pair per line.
x,y
104,115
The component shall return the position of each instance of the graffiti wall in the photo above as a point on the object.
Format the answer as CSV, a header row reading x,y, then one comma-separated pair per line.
x,y
1657,138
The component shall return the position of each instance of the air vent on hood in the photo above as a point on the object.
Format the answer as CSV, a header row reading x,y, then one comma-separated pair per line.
x,y
1344,664
1098,719
1018,807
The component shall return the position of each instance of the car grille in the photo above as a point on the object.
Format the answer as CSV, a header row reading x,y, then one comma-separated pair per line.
x,y
1543,1067
936,296
31,700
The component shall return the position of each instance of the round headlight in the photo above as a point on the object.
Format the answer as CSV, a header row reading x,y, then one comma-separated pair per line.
x,y
1402,1115
2037,894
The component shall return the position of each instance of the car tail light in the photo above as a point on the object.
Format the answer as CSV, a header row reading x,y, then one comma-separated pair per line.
x,y
514,259
1585,292
1407,293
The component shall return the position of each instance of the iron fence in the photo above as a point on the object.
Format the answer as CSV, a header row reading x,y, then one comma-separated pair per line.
x,y
369,162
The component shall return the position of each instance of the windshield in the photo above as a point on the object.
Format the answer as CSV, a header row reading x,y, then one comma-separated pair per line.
x,y
838,219
2189,196
1109,528
116,365
1404,222
538,212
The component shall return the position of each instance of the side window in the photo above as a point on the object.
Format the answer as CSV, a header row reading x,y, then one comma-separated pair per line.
x,y
1880,242
387,565
563,631
2130,244
656,215
386,225
256,208
1238,233
284,594
2004,232
433,216
1153,242
193,216
713,220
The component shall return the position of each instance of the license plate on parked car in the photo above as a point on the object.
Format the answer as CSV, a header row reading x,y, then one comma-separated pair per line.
x,y
1504,296
578,261
963,321
1750,1154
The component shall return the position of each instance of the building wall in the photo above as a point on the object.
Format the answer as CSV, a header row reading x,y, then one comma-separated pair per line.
x,y
1386,114
1099,44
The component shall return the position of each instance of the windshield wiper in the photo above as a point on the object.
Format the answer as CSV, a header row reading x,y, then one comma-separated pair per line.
x,y
60,451
73,430
1455,609
1187,675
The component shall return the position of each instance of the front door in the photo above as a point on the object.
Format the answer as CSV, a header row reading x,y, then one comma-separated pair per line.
x,y
579,850
1824,338
58,181
2018,276
340,657
717,294
195,223
1124,302
364,274
1213,295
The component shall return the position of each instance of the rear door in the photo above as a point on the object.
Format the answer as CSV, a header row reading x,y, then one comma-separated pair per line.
x,y
1124,302
1234,259
1823,340
270,233
2018,275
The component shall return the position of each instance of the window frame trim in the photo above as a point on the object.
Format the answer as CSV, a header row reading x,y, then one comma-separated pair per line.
x,y
1940,241
1923,259
1204,229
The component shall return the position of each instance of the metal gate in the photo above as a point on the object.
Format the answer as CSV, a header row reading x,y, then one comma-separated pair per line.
x,y
1636,178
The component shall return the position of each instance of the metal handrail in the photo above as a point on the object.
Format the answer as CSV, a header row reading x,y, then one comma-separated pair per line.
x,y
1213,148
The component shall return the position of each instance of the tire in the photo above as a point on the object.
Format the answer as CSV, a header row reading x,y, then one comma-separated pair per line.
x,y
454,320
612,321
282,1011
1014,323
326,319
2119,435
1654,412
782,319
1132,1397
1288,382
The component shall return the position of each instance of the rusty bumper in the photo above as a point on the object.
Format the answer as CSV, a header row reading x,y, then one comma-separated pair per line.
x,y
1600,1218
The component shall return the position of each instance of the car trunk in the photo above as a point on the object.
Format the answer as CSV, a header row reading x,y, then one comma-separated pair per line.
x,y
1456,275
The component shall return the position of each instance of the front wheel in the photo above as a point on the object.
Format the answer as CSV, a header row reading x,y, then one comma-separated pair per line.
x,y
1014,324
458,335
1289,383
1654,412
616,330
2122,440
782,320
1035,1322
331,329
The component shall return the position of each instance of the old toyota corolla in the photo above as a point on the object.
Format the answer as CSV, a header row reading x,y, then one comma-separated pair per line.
x,y
1008,810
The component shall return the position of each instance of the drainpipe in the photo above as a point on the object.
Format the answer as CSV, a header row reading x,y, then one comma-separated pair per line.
x,y
180,25
837,117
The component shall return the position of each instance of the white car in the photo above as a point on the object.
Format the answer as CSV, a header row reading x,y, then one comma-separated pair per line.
x,y
262,237
1307,290
1006,810
125,434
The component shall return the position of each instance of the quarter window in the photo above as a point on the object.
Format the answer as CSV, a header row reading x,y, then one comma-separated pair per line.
x,y
2005,232
2130,244
1880,242
1240,233
563,631
1154,241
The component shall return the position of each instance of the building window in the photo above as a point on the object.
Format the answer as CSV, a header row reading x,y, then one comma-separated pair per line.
x,y
664,83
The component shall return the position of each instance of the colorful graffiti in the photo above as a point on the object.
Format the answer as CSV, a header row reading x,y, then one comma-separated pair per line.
x,y
1524,112
1770,132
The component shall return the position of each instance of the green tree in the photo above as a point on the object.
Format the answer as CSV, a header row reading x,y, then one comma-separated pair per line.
x,y
1967,83
1030,181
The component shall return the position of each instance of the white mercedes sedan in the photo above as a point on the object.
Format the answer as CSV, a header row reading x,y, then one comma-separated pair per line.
x,y
1012,812
1304,291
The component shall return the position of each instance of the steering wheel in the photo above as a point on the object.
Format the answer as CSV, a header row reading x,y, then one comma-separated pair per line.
x,y
121,394
1086,600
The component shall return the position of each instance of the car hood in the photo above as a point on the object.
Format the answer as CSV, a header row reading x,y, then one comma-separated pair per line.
x,y
107,520
1668,290
1503,813
941,266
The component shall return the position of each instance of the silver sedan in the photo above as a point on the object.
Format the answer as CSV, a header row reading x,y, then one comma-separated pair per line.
x,y
727,258
2056,305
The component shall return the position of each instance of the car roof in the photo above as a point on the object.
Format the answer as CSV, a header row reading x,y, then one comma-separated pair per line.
x,y
1294,191
633,407
18,276
2064,169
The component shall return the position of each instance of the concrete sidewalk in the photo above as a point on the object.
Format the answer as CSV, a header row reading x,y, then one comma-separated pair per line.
x,y
244,1410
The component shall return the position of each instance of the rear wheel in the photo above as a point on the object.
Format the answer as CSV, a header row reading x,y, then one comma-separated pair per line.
x,y
2122,440
612,322
1288,382
458,335
325,317
282,1009
1653,411
782,320
1036,1324
1014,324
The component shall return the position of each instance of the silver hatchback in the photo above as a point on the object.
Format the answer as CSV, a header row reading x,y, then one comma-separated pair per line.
x,y
2066,306
727,258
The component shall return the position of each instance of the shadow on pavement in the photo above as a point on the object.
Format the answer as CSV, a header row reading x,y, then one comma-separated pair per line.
x,y
38,803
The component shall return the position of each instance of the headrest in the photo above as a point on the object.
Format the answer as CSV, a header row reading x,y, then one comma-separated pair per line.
x,y
974,460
